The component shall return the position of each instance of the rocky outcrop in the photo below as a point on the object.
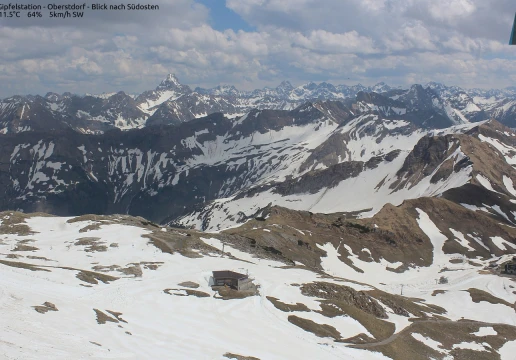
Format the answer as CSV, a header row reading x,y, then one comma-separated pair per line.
x,y
313,181
349,296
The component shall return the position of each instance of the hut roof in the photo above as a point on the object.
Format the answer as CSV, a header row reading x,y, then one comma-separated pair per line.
x,y
226,274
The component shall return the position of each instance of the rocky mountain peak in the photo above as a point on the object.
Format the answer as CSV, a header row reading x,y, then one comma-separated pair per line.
x,y
327,86
172,78
53,97
381,87
434,85
120,98
416,88
16,99
419,96
358,87
171,82
310,86
363,96
224,90
285,84
510,90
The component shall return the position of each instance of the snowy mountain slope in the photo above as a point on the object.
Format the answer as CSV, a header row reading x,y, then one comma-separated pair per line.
x,y
191,106
305,92
116,111
505,112
88,114
121,287
357,170
479,104
434,105
172,326
140,171
19,114
220,90
169,89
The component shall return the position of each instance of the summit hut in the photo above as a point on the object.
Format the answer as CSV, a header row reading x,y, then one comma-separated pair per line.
x,y
232,279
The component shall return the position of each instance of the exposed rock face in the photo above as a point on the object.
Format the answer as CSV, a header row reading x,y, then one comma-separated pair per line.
x,y
70,173
86,114
431,155
190,106
312,182
17,115
506,113
345,294
394,235
168,89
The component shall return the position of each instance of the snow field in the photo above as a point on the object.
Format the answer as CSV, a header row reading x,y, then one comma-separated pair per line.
x,y
160,325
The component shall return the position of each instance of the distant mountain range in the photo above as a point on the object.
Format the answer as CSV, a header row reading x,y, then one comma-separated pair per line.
x,y
171,103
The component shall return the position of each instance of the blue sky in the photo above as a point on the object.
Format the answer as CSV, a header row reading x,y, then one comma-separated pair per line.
x,y
222,18
257,43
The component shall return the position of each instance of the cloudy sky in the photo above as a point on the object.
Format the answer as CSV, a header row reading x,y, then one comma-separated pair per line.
x,y
256,43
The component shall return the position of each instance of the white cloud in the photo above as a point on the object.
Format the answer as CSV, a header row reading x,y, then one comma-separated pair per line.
x,y
450,10
412,36
375,5
321,40
398,41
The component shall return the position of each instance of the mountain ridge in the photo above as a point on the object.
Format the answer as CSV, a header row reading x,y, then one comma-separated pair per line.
x,y
171,103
